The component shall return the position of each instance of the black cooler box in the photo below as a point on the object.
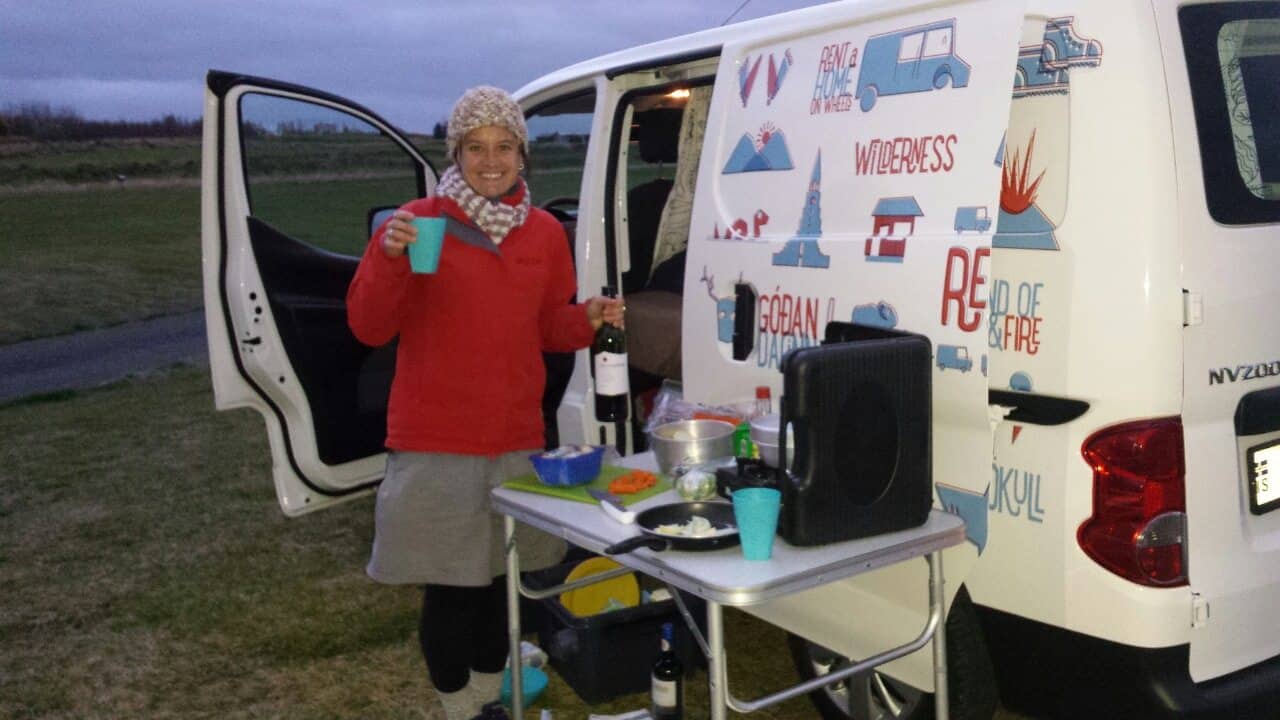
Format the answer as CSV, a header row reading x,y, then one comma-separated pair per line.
x,y
860,406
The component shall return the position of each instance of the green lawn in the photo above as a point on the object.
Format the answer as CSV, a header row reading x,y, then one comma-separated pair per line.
x,y
74,260
148,572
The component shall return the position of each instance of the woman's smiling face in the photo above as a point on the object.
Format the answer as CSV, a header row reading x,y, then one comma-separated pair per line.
x,y
489,158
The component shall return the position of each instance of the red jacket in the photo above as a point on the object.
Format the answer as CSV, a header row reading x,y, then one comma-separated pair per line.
x,y
469,372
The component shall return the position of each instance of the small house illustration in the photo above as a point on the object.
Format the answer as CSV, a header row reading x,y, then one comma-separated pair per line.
x,y
889,213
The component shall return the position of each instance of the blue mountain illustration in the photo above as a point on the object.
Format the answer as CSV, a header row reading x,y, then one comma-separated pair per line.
x,y
1028,230
773,156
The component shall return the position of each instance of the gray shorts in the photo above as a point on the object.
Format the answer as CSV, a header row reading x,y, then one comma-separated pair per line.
x,y
433,524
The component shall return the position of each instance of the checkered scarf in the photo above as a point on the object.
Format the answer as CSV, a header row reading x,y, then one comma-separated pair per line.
x,y
497,218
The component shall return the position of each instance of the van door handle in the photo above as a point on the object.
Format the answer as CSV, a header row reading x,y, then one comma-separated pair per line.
x,y
744,320
251,341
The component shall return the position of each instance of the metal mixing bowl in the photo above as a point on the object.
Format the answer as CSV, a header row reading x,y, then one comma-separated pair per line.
x,y
690,443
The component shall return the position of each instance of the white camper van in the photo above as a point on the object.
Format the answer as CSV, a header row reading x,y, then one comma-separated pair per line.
x,y
1076,201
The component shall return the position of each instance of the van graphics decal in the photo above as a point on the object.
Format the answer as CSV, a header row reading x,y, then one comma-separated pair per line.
x,y
1016,317
917,59
739,229
747,78
1242,373
802,250
788,321
777,72
963,286
889,213
1021,224
726,308
972,218
831,88
1016,493
766,151
1043,68
905,155
955,357
971,507
877,314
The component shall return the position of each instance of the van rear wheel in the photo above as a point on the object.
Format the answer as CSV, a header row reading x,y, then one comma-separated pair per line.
x,y
874,696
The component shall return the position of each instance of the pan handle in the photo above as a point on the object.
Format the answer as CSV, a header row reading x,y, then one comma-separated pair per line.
x,y
637,541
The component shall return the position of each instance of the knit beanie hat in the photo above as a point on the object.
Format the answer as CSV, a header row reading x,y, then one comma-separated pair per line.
x,y
485,105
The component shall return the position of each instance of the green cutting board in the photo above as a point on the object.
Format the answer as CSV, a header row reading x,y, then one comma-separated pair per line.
x,y
531,483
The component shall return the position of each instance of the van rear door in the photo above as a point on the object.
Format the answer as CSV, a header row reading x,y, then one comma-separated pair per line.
x,y
1223,62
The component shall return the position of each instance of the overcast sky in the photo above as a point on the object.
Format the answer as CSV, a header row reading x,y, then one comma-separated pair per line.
x,y
408,60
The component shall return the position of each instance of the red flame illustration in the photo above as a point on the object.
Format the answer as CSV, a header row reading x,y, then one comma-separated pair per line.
x,y
1015,194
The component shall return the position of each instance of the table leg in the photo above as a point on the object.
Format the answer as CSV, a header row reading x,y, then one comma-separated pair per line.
x,y
938,599
513,617
717,666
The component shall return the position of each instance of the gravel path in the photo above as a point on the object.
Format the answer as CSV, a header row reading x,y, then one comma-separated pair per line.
x,y
97,357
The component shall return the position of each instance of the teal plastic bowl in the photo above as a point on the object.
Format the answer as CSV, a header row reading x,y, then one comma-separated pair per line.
x,y
568,471
534,679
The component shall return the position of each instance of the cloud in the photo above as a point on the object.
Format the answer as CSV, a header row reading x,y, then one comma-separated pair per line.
x,y
406,59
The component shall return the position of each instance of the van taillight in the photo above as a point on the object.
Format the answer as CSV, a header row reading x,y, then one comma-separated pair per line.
x,y
1138,526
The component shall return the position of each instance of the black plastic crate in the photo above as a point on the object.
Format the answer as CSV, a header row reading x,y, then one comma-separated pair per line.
x,y
610,654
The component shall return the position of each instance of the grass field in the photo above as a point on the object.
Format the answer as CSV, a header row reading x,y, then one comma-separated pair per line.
x,y
148,572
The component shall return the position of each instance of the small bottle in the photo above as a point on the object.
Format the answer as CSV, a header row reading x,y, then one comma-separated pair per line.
x,y
666,684
609,369
764,405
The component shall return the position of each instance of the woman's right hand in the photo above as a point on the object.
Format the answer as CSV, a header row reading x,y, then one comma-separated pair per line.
x,y
398,234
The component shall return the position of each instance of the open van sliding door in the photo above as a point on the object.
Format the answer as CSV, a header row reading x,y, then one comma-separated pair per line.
x,y
292,181
1224,61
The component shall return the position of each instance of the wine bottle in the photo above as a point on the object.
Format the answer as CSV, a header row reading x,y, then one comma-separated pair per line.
x,y
666,684
609,370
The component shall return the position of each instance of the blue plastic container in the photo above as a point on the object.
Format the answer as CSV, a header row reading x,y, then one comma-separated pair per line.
x,y
533,682
568,471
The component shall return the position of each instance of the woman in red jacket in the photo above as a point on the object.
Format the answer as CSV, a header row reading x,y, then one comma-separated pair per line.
x,y
465,406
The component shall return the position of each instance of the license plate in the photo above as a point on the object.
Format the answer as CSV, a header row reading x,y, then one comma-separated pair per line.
x,y
1264,486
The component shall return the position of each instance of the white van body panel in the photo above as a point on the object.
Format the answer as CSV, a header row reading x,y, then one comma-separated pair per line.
x,y
1234,555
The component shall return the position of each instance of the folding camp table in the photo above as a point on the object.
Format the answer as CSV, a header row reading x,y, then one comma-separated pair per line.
x,y
724,577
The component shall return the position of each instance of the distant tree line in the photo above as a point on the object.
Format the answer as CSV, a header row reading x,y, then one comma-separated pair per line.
x,y
39,121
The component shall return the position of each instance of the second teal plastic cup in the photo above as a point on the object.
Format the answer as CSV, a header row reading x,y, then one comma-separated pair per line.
x,y
424,253
756,512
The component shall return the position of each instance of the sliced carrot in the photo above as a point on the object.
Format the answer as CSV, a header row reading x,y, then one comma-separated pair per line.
x,y
632,481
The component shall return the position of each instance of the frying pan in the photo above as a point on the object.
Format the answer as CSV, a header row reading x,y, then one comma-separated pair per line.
x,y
719,514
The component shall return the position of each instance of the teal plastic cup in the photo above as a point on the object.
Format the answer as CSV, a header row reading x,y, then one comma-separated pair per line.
x,y
756,512
424,253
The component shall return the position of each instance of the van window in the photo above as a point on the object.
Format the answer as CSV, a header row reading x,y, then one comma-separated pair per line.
x,y
558,135
1233,59
314,172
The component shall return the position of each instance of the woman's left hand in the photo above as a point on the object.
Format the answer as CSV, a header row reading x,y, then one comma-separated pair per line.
x,y
602,310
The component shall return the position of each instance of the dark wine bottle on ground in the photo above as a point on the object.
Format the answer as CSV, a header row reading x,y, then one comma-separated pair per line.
x,y
666,685
609,370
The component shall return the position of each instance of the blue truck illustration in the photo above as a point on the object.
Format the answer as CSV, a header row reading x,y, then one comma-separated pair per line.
x,y
972,218
917,59
955,357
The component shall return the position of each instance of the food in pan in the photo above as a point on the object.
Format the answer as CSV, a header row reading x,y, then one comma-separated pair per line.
x,y
697,527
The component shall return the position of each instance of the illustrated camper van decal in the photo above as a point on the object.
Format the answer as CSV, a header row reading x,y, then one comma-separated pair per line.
x,y
878,314
917,59
972,218
777,72
971,507
1020,223
802,250
889,213
766,151
954,357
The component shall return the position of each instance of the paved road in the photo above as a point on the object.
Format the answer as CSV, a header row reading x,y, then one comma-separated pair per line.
x,y
97,357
